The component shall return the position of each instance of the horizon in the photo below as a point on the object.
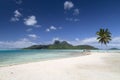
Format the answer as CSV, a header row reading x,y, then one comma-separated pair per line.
x,y
26,23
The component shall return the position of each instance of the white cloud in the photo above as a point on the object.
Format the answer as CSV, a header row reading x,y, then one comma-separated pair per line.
x,y
30,21
14,19
72,19
116,39
56,38
53,28
22,43
93,41
18,1
115,42
33,36
86,41
76,12
47,30
69,19
17,15
77,39
68,5
89,40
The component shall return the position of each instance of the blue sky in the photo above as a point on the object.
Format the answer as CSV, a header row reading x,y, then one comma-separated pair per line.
x,y
28,22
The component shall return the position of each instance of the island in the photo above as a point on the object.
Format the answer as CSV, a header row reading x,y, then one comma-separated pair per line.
x,y
61,45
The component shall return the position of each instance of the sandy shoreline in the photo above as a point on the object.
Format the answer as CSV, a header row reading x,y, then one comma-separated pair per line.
x,y
102,66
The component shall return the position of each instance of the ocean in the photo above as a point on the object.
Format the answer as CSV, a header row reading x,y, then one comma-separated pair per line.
x,y
14,57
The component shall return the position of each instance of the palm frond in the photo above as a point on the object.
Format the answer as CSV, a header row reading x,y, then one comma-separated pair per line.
x,y
104,36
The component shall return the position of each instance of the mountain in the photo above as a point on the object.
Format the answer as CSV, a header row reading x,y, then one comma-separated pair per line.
x,y
60,45
114,49
85,47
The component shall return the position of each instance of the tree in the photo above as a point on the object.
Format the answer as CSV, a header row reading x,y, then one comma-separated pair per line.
x,y
104,36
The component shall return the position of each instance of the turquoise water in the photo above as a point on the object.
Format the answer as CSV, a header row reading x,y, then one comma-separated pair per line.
x,y
12,57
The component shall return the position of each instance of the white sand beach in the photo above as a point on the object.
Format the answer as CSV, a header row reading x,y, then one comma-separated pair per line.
x,y
102,66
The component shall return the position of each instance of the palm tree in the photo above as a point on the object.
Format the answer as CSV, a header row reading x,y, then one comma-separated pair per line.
x,y
104,36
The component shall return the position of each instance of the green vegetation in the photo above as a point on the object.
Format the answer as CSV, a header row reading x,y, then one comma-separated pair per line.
x,y
114,49
60,45
104,36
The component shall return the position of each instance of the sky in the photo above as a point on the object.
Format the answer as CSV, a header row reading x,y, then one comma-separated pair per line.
x,y
29,22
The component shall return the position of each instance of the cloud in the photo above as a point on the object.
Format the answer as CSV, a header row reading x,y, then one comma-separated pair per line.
x,y
18,1
55,38
76,12
68,5
116,39
30,21
69,19
72,19
25,42
17,15
22,43
33,36
92,41
47,30
115,42
89,40
77,39
86,41
52,28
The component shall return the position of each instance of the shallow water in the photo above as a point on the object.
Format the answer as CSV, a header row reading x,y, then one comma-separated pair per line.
x,y
12,57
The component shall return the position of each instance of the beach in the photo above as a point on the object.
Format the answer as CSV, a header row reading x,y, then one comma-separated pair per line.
x,y
97,66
